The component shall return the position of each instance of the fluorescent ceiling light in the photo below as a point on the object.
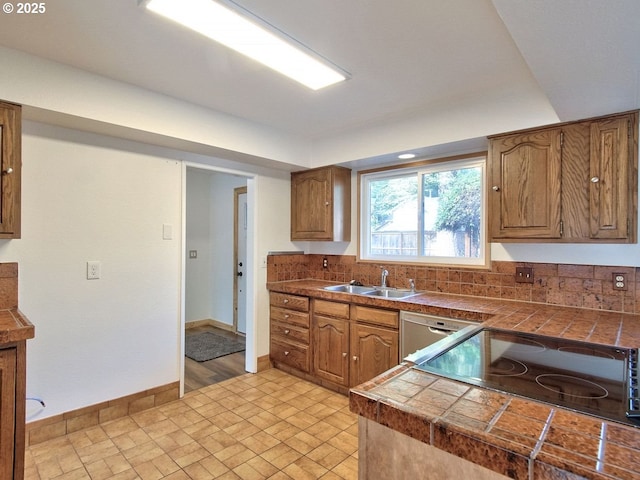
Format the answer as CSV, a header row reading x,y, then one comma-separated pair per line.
x,y
248,37
406,156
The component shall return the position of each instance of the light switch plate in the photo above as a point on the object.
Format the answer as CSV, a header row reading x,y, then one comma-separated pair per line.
x,y
167,231
93,270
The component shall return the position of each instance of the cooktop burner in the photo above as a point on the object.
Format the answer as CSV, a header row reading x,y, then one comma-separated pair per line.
x,y
594,379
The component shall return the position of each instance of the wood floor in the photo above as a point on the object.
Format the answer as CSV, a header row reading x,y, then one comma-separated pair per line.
x,y
201,374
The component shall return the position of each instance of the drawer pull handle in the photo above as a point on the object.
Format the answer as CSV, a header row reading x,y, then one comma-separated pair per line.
x,y
286,353
286,332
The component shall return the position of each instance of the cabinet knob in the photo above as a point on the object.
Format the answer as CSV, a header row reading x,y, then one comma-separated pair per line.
x,y
286,315
286,353
495,188
286,300
286,331
595,179
326,204
355,359
7,171
344,354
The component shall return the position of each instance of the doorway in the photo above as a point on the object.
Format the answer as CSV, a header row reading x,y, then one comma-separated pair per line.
x,y
240,259
216,234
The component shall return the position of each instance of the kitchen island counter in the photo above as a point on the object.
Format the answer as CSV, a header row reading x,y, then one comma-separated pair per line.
x,y
507,434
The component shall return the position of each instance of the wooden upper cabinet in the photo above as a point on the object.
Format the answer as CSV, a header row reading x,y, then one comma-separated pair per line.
x,y
575,182
611,185
10,169
321,204
525,185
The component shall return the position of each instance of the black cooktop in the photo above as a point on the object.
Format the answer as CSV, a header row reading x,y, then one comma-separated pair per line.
x,y
595,379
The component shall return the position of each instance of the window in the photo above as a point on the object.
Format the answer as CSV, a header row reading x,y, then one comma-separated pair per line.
x,y
428,213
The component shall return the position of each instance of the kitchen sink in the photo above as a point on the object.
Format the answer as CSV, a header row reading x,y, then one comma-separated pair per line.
x,y
350,289
391,293
396,293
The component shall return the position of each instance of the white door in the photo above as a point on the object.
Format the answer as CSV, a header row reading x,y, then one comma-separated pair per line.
x,y
241,260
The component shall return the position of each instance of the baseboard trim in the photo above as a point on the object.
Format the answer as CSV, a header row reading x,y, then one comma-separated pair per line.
x,y
264,363
209,322
40,431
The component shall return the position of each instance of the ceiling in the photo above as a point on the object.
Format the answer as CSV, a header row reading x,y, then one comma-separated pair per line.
x,y
546,60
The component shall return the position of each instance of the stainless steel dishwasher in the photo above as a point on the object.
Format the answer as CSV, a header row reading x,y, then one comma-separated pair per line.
x,y
419,330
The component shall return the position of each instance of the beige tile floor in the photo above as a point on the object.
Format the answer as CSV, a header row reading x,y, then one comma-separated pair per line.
x,y
267,425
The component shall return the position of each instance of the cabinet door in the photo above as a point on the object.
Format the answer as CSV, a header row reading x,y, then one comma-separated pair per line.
x,y
331,349
7,411
311,205
10,170
373,351
610,183
525,171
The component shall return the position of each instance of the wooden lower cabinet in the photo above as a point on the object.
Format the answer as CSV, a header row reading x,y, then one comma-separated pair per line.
x,y
352,343
289,337
12,411
373,350
335,344
331,349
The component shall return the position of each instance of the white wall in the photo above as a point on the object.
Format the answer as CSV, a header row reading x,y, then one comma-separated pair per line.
x,y
198,281
90,197
210,224
84,199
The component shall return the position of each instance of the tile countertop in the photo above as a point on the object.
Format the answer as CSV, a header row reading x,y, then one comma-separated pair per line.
x,y
519,438
14,326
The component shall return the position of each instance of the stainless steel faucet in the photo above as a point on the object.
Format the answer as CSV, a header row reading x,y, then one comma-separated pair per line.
x,y
383,278
412,285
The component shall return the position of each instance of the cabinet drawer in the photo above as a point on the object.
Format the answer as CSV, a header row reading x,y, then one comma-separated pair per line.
x,y
376,316
289,316
294,355
331,309
290,332
292,302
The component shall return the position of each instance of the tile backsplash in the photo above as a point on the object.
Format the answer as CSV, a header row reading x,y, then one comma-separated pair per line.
x,y
584,286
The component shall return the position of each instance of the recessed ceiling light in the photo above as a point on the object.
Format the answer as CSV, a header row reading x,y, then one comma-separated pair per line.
x,y
406,156
252,37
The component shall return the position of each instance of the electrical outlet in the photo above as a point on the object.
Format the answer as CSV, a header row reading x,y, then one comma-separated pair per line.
x,y
325,262
619,281
193,254
524,275
93,270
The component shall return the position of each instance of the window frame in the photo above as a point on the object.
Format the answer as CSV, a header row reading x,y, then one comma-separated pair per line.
x,y
421,167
